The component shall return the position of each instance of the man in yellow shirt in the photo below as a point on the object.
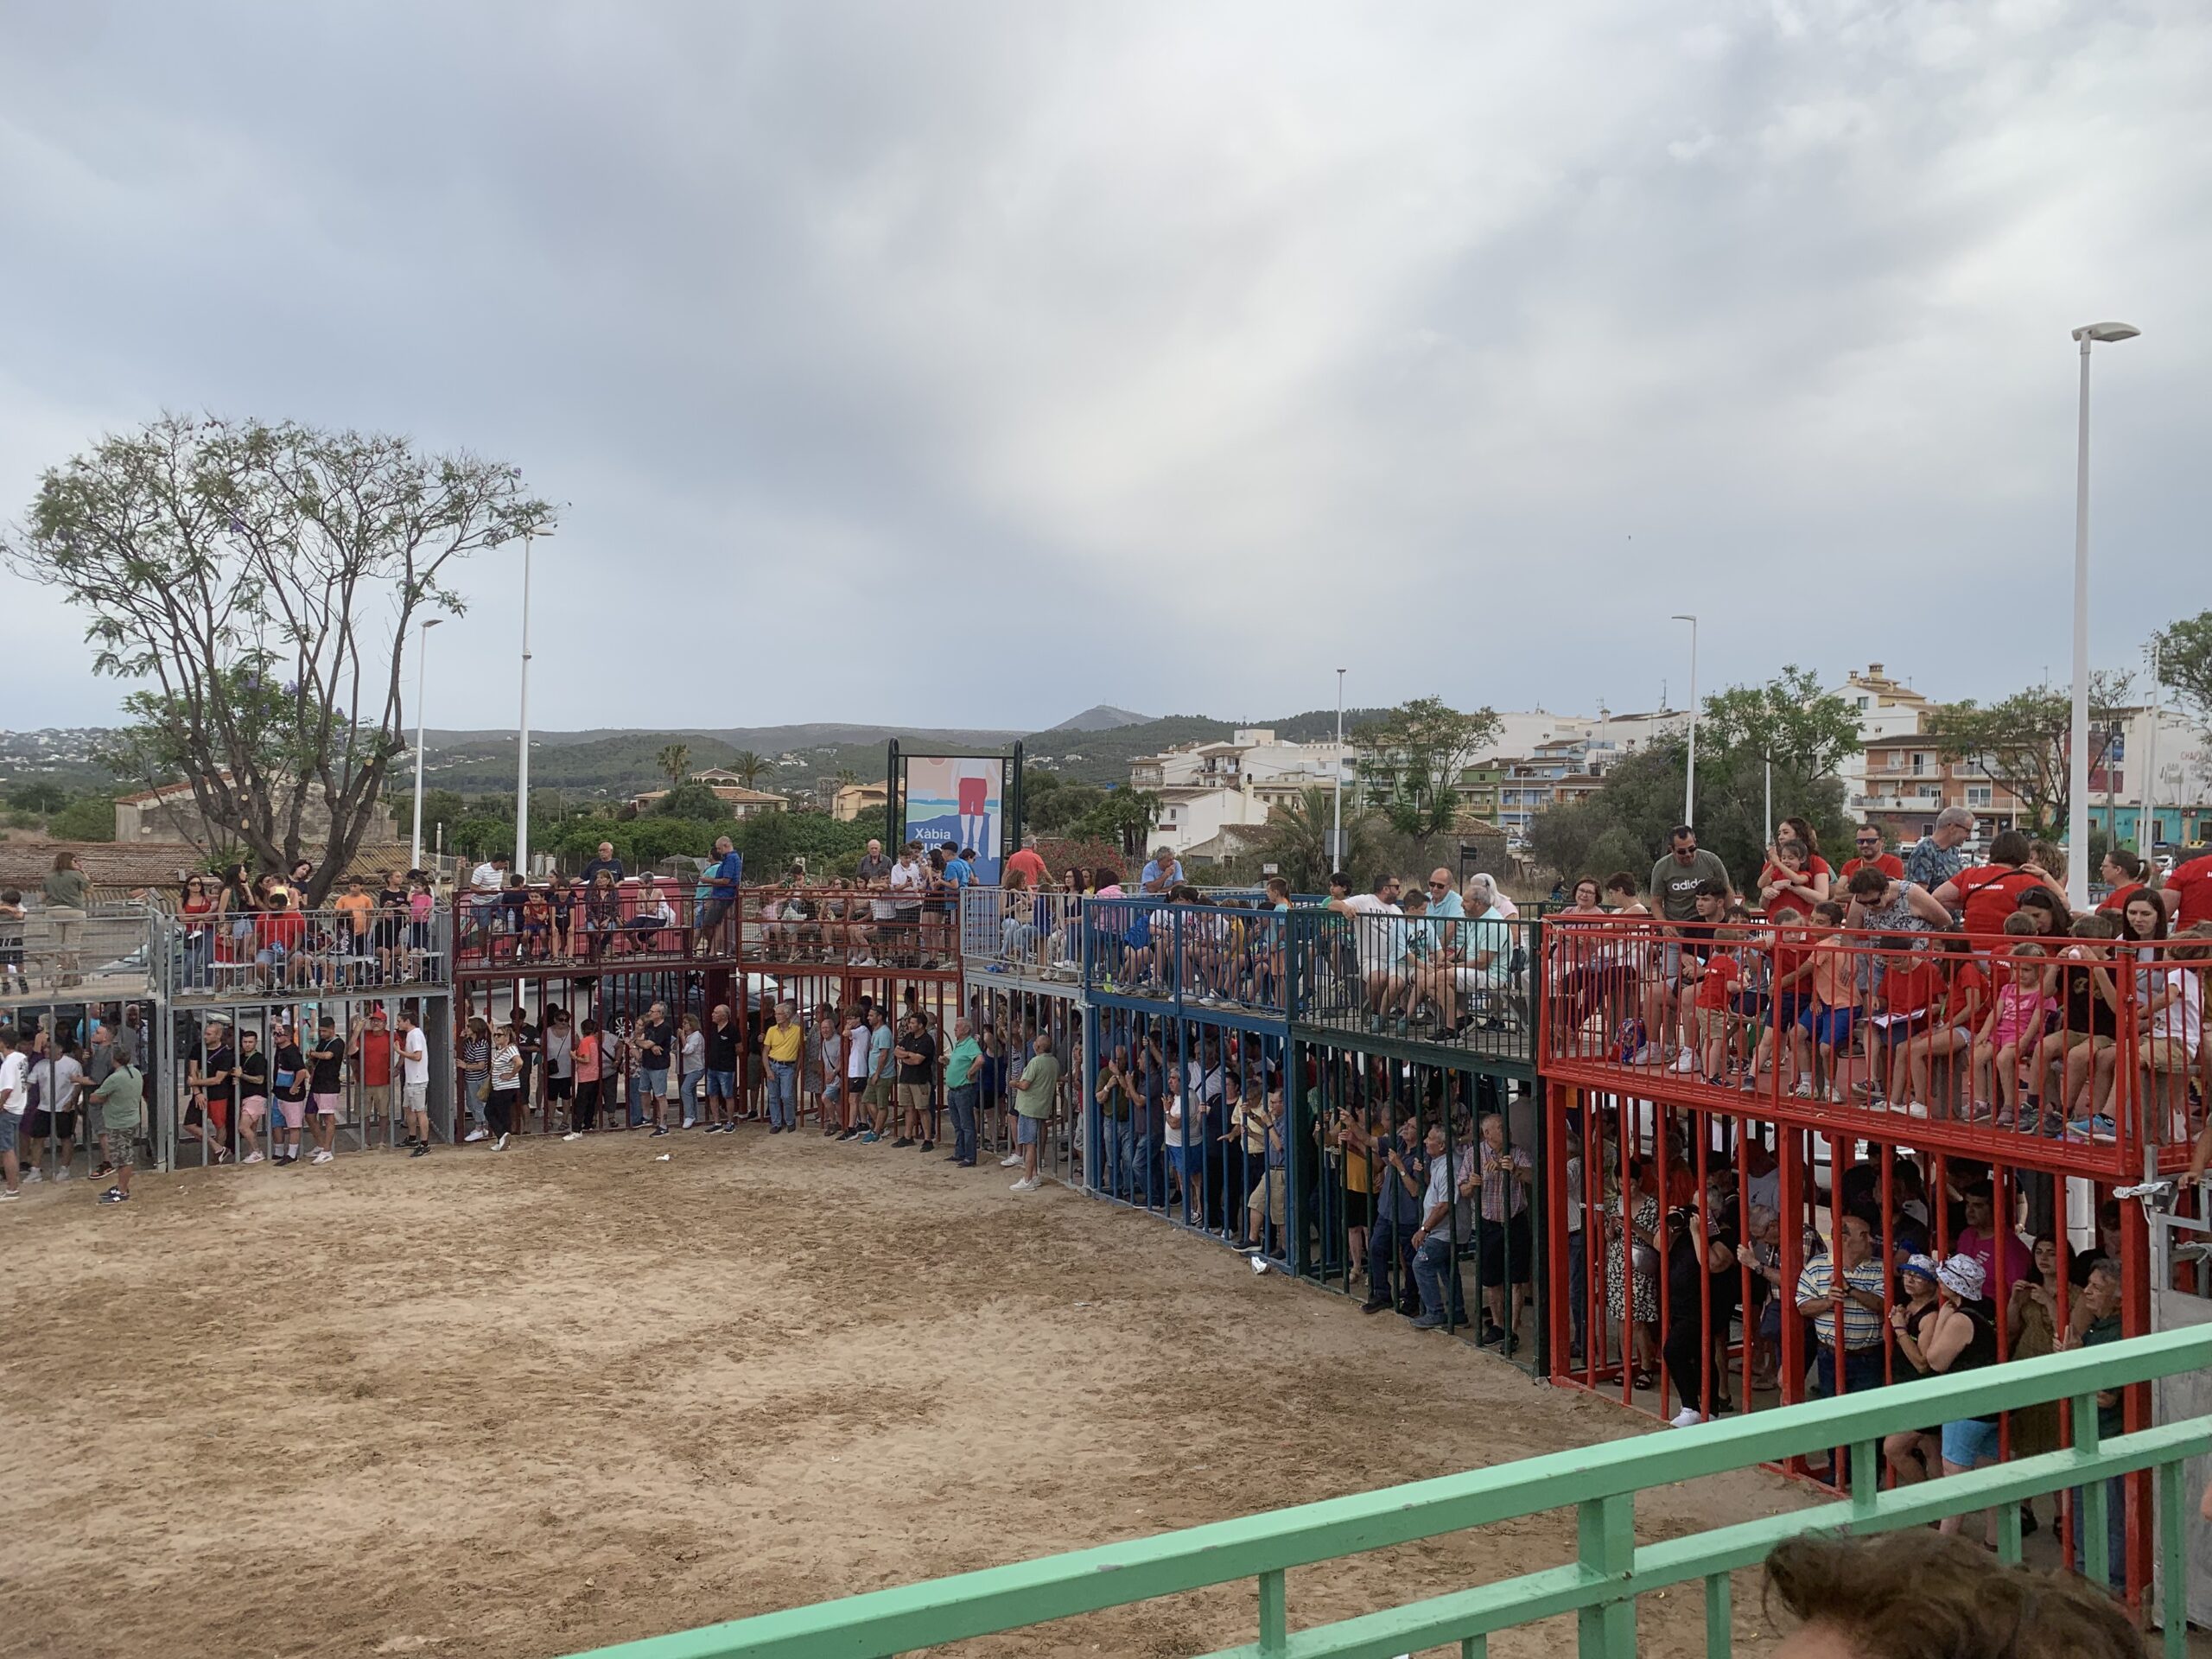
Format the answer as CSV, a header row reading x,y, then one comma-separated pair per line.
x,y
785,1044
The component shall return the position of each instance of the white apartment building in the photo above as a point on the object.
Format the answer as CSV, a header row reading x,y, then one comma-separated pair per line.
x,y
1886,709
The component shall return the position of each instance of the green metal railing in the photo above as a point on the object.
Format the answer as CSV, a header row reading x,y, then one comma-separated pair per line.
x,y
1600,1482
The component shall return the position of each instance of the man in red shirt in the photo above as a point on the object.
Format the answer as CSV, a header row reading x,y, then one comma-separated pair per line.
x,y
371,1053
1868,840
2188,891
1030,862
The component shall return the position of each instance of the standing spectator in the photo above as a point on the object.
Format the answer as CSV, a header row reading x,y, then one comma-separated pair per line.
x,y
560,1047
656,1047
1985,896
1702,1281
66,893
121,1101
960,1089
856,1074
720,881
370,1039
1033,1098
1960,1336
414,1082
2004,1261
476,1074
916,1054
2187,893
909,879
783,1045
1378,944
723,1038
1841,1295
1935,859
530,1043
253,1094
1872,854
590,1060
356,943
14,1092
1444,1222
691,1066
57,1078
602,862
288,1075
827,1053
485,883
506,1085
2096,1320
879,1067
1025,863
1401,1176
326,1061
1506,1251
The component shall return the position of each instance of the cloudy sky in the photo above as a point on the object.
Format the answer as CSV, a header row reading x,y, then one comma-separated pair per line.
x,y
971,363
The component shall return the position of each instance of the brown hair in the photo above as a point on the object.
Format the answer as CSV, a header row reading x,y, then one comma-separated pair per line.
x,y
1909,1595
65,860
2096,927
2010,847
2022,924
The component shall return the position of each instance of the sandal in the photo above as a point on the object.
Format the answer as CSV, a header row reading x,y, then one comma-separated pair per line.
x,y
1645,1379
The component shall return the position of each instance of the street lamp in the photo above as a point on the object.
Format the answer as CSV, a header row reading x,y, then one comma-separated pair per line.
x,y
522,764
1336,812
2077,781
1689,782
421,671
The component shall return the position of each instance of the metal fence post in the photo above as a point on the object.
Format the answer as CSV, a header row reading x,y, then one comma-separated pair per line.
x,y
1606,1546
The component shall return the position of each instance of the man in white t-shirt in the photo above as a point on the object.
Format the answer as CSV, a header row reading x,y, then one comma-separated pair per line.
x,y
909,877
14,1096
1378,934
485,883
57,1077
413,1082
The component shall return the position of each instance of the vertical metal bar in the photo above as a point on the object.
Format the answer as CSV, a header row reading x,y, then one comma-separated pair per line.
x,y
1605,1548
2173,1562
2008,1535
1274,1613
2089,1524
1474,1647
1719,1634
1865,1476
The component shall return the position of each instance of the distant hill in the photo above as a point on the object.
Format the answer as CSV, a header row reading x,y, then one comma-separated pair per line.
x,y
1101,717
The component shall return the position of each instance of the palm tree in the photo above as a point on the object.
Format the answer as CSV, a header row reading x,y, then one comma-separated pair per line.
x,y
1298,840
748,767
675,761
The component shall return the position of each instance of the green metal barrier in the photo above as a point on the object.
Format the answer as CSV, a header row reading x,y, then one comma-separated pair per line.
x,y
1600,1482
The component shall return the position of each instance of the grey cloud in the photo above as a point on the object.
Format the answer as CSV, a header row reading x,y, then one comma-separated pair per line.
x,y
975,363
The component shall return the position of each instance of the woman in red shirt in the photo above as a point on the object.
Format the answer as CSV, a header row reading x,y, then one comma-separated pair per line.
x,y
2123,873
1989,892
1794,879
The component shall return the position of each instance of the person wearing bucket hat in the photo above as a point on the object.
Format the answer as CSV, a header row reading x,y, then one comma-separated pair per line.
x,y
1961,1336
1915,1454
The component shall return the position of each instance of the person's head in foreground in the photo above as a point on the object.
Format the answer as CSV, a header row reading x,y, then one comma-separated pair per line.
x,y
1918,1595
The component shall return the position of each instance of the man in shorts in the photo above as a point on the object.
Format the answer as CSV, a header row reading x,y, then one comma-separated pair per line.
x,y
917,1057
288,1079
656,1043
878,1074
414,1082
120,1102
356,919
855,1073
253,1079
210,1079
15,1067
722,1039
372,1043
327,1085
57,1077
1033,1097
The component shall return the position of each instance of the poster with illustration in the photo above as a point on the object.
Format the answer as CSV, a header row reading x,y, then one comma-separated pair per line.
x,y
954,801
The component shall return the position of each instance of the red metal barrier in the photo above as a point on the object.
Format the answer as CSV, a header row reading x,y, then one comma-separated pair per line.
x,y
640,923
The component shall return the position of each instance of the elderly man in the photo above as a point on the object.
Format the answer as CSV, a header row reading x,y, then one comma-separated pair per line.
x,y
1164,871
603,860
1446,1224
1842,1295
1936,858
656,1043
784,1044
962,1064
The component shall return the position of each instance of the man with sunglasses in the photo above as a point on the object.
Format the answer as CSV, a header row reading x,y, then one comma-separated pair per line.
x,y
1872,856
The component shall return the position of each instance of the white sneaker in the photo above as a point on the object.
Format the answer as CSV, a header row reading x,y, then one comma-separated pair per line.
x,y
1687,1417
34,1175
62,1173
476,1136
321,1155
1645,1056
1027,1184
499,1145
1802,1092
1012,1160
1686,1061
574,1135
690,1121
251,1157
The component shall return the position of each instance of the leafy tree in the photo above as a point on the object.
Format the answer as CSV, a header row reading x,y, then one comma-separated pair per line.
x,y
1051,812
261,582
38,797
2184,658
477,836
442,809
1789,720
1125,817
1297,841
90,817
694,801
654,839
2023,742
747,766
1412,758
1564,838
675,761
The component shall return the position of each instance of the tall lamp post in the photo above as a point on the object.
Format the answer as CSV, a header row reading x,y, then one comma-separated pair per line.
x,y
1690,782
2077,779
422,676
1336,812
522,764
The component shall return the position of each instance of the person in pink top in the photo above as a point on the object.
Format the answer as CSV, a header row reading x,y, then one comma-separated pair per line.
x,y
1991,1244
2015,1019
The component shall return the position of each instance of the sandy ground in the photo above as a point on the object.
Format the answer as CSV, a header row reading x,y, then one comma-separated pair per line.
x,y
528,1404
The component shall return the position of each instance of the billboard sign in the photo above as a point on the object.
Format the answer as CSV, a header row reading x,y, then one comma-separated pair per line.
x,y
956,801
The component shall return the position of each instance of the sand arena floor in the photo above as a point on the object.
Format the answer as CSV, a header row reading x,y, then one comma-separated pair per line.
x,y
527,1404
